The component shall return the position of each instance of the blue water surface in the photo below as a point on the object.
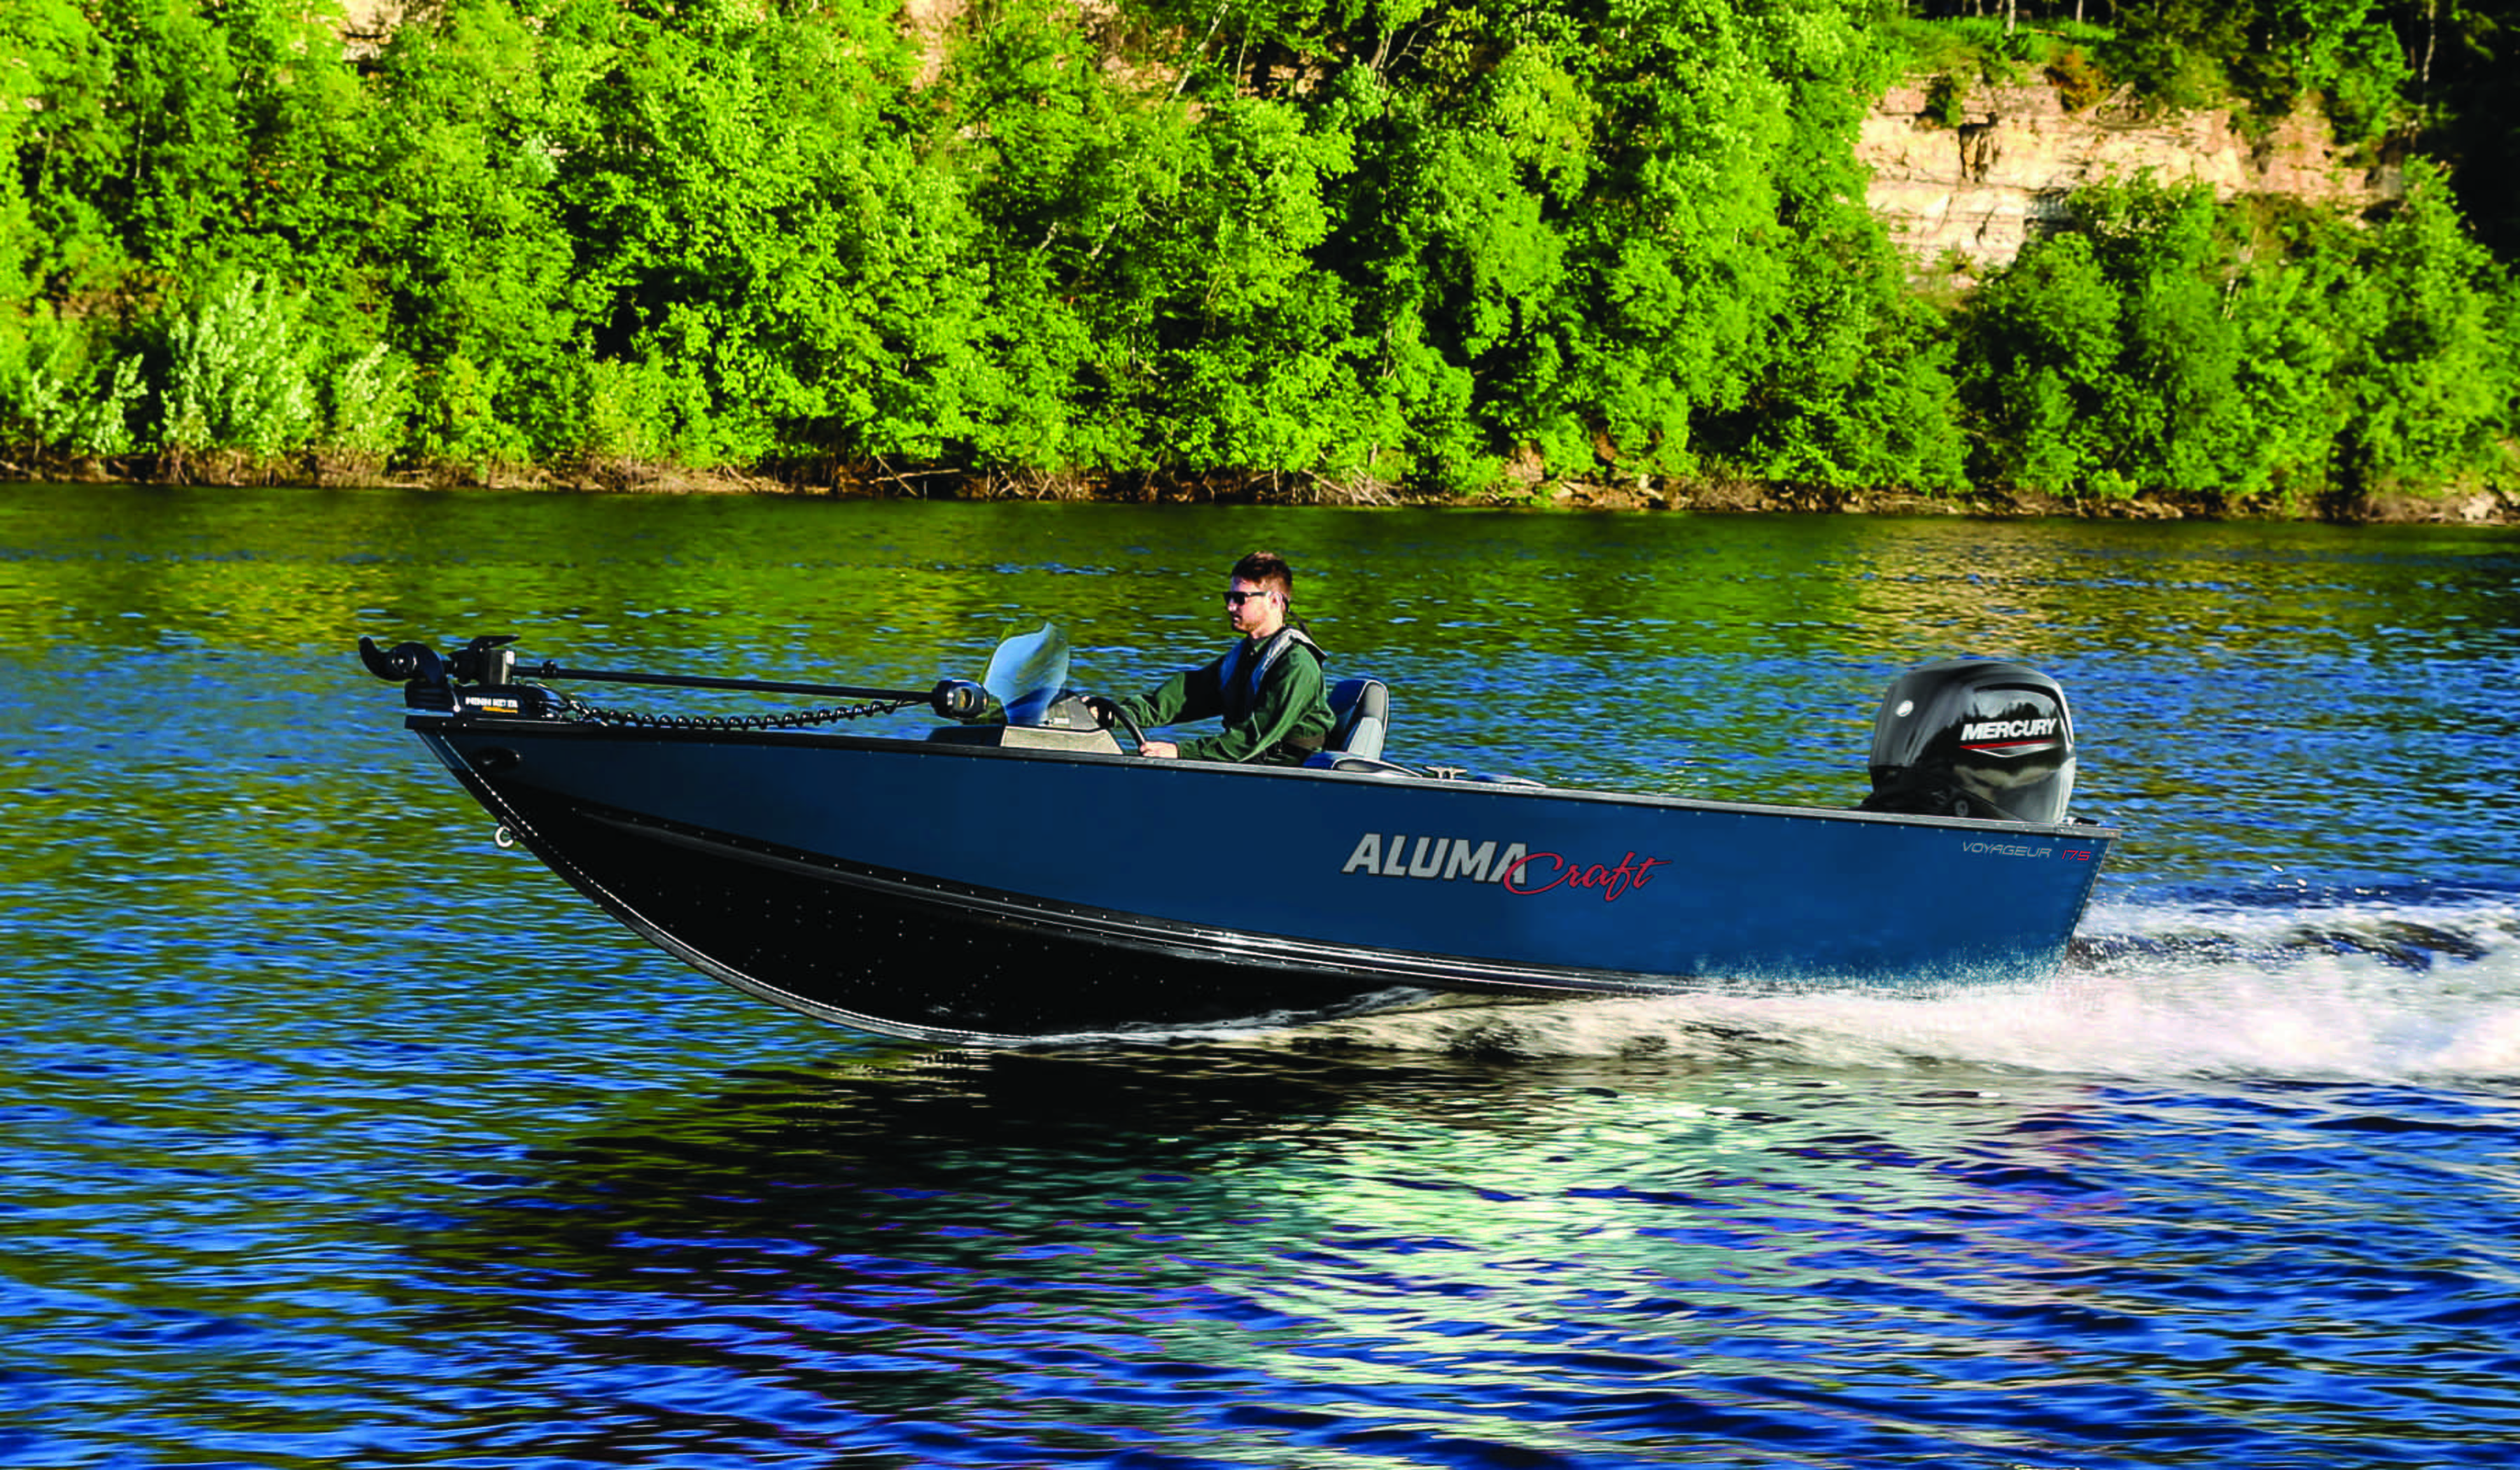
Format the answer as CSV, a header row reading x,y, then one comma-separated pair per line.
x,y
336,1135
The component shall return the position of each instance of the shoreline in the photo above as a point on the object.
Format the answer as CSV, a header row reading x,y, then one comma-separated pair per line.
x,y
2484,507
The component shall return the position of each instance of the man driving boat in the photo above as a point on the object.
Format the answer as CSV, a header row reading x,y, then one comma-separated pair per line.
x,y
1267,687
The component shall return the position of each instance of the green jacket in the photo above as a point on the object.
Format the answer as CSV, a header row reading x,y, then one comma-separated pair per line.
x,y
1270,692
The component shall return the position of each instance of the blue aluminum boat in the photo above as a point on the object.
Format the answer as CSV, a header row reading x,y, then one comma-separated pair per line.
x,y
1018,874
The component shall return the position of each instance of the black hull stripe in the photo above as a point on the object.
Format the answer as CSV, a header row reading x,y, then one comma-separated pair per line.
x,y
1243,949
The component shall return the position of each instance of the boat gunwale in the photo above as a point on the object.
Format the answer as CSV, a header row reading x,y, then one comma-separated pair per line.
x,y
428,722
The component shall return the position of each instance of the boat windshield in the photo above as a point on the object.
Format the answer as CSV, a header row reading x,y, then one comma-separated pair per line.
x,y
1027,672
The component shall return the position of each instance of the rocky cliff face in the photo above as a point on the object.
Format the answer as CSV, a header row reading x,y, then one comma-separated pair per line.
x,y
1982,189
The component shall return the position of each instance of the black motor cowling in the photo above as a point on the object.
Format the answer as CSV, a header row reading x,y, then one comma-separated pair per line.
x,y
1973,738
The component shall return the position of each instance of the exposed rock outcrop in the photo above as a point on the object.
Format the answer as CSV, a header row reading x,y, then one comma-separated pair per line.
x,y
1983,188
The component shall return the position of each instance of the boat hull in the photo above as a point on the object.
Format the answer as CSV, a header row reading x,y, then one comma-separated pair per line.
x,y
960,892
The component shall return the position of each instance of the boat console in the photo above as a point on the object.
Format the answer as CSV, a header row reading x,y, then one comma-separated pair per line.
x,y
1064,724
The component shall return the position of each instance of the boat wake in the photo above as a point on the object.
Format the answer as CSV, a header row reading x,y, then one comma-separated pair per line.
x,y
2376,985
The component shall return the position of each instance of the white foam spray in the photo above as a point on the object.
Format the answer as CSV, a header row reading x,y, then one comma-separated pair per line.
x,y
2341,992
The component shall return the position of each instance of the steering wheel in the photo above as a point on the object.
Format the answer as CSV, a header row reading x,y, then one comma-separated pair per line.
x,y
1122,716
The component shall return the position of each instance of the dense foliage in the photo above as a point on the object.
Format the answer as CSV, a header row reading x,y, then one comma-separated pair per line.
x,y
1341,244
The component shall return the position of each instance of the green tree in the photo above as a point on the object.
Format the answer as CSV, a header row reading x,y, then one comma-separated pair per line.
x,y
2427,377
2039,356
2108,359
472,260
1056,165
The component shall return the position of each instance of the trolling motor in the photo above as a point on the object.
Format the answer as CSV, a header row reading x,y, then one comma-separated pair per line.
x,y
1973,738
480,676
484,677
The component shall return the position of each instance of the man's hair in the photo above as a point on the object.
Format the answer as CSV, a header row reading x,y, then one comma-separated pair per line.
x,y
1268,569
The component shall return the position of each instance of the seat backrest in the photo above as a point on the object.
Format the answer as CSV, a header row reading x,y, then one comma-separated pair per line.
x,y
1359,716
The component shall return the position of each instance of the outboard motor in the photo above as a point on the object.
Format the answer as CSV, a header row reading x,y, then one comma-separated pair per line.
x,y
1973,739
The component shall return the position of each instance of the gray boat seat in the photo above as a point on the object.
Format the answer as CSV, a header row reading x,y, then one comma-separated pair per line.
x,y
1359,716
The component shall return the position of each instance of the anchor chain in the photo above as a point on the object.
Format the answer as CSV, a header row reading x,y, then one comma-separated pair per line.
x,y
597,714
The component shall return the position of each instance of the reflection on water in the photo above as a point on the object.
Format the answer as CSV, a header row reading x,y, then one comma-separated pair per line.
x,y
338,1135
1405,1258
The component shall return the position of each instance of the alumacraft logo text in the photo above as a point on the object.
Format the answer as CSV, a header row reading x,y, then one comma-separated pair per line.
x,y
1515,868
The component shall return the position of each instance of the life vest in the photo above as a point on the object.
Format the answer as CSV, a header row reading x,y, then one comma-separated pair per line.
x,y
1239,679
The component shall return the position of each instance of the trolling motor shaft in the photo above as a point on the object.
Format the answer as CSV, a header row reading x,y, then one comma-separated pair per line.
x,y
429,681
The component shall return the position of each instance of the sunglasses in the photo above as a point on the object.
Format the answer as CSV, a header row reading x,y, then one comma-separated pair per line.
x,y
1238,598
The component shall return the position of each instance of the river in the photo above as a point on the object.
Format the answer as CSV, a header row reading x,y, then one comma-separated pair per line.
x,y
338,1135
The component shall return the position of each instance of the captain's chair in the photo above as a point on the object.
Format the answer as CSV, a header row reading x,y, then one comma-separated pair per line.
x,y
1359,716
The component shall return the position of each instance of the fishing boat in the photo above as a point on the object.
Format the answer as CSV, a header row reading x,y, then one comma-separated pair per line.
x,y
1015,871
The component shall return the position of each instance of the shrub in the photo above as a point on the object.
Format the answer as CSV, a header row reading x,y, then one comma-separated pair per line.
x,y
369,400
1945,97
84,414
2079,81
237,373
